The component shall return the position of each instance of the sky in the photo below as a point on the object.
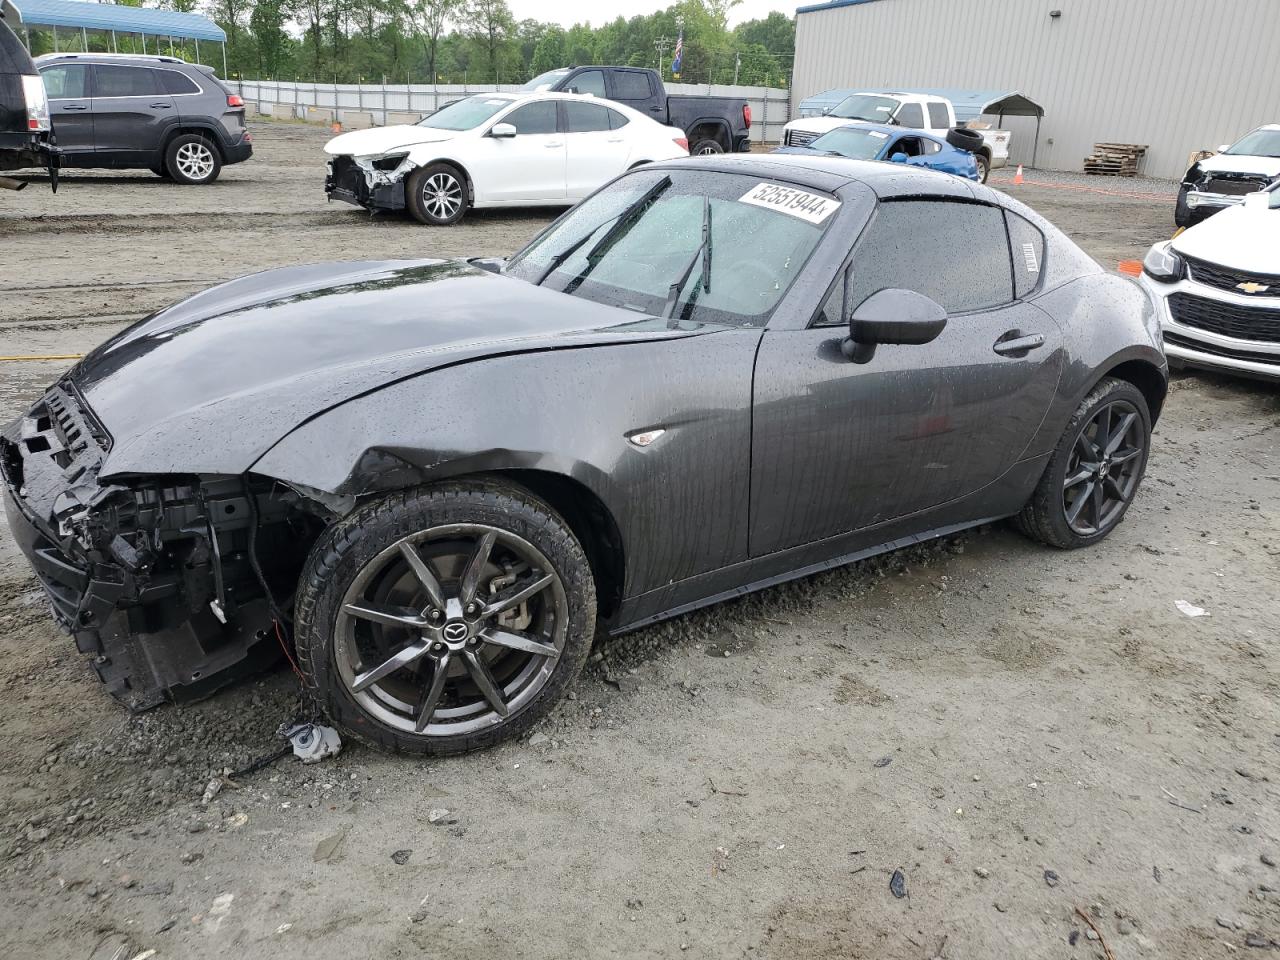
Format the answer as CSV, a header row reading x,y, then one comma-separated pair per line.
x,y
598,12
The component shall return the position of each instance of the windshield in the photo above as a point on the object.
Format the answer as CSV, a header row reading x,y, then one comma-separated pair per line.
x,y
465,114
862,106
634,241
547,79
855,143
1260,143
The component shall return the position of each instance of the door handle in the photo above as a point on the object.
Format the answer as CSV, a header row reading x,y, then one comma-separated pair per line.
x,y
161,106
1016,343
656,108
76,106
552,146
615,140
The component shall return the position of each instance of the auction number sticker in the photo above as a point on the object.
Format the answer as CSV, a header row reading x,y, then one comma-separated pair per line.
x,y
1029,257
812,207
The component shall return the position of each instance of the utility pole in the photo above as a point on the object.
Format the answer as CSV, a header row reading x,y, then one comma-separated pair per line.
x,y
737,62
663,44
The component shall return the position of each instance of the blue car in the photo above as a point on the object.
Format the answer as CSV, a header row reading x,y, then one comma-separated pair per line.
x,y
874,141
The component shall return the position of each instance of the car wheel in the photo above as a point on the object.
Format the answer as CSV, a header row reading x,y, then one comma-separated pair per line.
x,y
984,167
1095,471
446,618
705,148
436,195
192,159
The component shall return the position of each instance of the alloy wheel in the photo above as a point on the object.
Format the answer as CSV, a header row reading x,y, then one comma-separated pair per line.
x,y
1104,468
442,196
194,160
451,630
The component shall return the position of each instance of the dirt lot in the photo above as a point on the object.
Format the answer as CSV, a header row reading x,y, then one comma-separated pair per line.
x,y
1020,732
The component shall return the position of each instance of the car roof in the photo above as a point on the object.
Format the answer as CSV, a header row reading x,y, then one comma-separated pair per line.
x,y
832,174
128,59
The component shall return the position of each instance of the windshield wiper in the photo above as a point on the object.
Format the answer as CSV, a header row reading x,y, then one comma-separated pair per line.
x,y
611,236
703,254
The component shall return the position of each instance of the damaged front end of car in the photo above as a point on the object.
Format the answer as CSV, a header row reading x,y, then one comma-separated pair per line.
x,y
171,584
369,182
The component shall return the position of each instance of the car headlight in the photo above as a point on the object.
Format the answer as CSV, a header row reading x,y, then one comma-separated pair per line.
x,y
1163,264
388,161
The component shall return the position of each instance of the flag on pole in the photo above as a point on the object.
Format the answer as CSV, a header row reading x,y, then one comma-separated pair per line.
x,y
679,55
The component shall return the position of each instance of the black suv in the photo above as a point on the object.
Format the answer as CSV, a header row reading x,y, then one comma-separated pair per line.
x,y
24,112
154,113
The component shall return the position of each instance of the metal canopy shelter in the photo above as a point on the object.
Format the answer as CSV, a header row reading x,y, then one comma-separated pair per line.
x,y
969,104
77,15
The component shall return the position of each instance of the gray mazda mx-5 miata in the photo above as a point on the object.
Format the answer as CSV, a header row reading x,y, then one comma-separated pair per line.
x,y
436,479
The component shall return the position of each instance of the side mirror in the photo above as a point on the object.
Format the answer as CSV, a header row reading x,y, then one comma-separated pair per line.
x,y
503,131
1224,147
898,158
892,316
826,110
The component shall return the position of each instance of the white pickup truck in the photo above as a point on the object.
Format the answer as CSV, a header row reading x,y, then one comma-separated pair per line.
x,y
915,111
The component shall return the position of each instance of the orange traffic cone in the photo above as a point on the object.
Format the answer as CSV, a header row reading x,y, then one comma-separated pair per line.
x,y
1017,177
335,127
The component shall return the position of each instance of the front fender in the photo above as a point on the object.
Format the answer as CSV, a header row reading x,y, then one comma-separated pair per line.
x,y
568,412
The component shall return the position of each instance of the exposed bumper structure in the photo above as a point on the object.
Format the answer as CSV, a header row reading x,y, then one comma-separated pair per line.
x,y
1208,323
357,181
151,576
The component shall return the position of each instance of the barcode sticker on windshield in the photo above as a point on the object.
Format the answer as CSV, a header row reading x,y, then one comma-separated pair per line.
x,y
877,134
1029,255
797,203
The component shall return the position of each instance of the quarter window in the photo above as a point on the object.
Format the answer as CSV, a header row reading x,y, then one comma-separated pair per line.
x,y
938,118
911,115
1028,253
929,147
586,117
533,118
617,121
589,81
116,81
171,81
66,81
955,253
630,85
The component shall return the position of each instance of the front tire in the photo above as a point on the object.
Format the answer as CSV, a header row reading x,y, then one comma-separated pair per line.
x,y
444,619
984,167
1095,471
192,160
436,195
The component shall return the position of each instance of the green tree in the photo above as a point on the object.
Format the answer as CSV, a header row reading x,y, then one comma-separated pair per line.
x,y
490,23
431,17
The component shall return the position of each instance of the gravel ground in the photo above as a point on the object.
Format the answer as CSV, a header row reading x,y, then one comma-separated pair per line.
x,y
1017,732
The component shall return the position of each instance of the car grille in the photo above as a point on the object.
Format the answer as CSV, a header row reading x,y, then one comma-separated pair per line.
x,y
800,138
1234,186
1224,278
1214,350
1226,319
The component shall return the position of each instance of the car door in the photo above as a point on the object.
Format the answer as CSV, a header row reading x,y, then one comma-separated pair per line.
x,y
838,446
529,167
131,113
634,89
597,144
70,106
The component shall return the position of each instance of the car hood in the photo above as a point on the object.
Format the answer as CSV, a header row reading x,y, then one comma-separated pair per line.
x,y
1225,163
1240,237
210,384
820,124
377,141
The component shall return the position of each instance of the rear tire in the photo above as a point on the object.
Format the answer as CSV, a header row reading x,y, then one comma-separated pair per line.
x,y
409,650
1094,472
191,159
436,195
706,148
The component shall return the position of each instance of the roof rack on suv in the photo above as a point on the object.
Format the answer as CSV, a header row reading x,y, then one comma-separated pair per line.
x,y
159,58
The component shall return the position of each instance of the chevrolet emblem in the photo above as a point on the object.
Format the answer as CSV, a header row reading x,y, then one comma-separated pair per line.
x,y
1250,287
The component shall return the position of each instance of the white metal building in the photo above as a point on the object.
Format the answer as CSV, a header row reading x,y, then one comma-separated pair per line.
x,y
1177,75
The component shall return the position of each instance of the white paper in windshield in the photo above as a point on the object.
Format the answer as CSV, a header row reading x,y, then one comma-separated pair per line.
x,y
812,207
878,135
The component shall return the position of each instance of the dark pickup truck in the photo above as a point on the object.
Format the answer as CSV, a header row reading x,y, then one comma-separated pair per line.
x,y
25,131
712,124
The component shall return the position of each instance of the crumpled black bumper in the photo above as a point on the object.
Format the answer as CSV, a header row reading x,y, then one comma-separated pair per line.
x,y
345,181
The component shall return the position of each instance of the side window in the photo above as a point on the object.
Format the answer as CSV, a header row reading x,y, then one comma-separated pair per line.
x,y
114,81
911,115
908,145
929,147
586,117
589,81
938,118
630,85
617,121
532,118
66,81
171,81
955,253
1028,253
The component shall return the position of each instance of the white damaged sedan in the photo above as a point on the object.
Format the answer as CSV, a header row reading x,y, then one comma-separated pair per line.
x,y
493,150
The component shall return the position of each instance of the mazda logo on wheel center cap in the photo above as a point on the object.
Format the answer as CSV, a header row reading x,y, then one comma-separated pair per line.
x,y
455,631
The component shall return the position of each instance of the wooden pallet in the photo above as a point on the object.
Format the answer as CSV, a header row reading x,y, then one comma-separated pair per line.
x,y
1115,159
